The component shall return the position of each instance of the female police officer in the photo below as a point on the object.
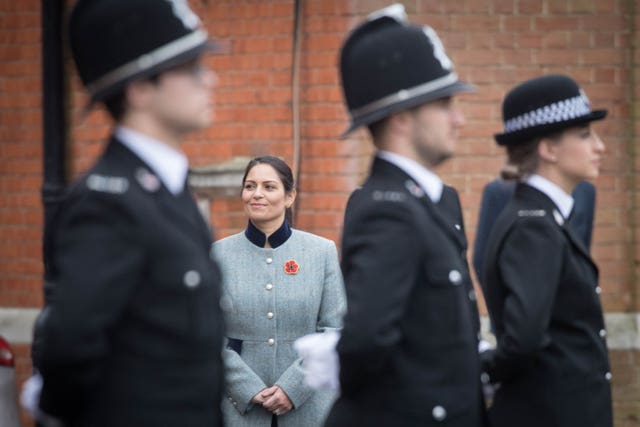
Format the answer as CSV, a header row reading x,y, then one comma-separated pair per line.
x,y
540,283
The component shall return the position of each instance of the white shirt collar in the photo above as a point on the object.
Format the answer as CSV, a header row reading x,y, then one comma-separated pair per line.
x,y
562,200
429,181
169,164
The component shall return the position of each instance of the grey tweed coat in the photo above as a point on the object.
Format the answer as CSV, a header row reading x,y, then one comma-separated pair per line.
x,y
266,310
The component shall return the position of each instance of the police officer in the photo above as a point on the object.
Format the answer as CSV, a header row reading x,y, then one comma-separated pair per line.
x,y
134,333
408,350
540,283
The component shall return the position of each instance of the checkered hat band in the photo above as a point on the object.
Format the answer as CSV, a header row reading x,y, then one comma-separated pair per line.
x,y
557,112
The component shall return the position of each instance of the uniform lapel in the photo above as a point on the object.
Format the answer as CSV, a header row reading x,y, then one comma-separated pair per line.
x,y
577,243
540,199
450,204
438,212
181,208
443,215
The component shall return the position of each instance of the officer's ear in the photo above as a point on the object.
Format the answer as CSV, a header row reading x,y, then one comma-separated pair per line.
x,y
548,149
139,94
400,122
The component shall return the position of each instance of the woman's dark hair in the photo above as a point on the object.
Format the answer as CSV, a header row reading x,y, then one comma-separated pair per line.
x,y
284,173
523,159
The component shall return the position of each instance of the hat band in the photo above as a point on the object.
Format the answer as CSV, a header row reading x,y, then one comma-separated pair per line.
x,y
404,94
560,111
148,60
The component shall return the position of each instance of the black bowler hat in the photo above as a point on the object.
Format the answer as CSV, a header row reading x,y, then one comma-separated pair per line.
x,y
388,65
117,41
544,105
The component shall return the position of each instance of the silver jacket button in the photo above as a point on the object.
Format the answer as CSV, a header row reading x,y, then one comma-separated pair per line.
x,y
269,260
608,376
269,286
191,279
271,341
269,315
455,277
439,413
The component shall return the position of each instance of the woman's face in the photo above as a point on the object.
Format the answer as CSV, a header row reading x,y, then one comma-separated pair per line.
x,y
263,196
579,154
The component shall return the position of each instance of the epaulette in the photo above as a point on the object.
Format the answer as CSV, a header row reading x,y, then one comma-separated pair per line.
x,y
389,196
532,213
107,184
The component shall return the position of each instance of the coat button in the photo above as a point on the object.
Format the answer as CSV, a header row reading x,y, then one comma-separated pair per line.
x,y
455,277
598,290
439,413
191,279
269,286
608,376
457,226
271,341
269,260
484,378
472,295
602,333
269,315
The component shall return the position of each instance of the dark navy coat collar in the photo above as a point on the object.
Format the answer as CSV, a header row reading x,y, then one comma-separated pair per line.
x,y
276,239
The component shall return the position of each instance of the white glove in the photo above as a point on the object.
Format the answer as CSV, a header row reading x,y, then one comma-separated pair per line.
x,y
30,395
320,361
30,399
488,389
484,345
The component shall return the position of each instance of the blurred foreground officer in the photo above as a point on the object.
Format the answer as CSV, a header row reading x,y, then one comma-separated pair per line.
x,y
540,283
408,351
134,334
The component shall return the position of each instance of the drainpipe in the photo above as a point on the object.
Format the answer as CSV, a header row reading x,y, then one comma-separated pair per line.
x,y
54,135
54,124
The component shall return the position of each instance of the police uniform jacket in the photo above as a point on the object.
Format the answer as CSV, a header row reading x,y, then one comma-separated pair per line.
x,y
408,351
542,293
498,192
271,297
134,333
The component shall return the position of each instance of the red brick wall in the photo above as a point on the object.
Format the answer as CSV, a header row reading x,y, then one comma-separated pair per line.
x,y
20,154
494,44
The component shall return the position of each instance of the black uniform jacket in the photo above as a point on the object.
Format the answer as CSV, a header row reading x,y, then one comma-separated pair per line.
x,y
541,289
133,335
408,351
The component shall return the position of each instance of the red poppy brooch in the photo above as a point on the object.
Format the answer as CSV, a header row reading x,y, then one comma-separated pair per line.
x,y
291,267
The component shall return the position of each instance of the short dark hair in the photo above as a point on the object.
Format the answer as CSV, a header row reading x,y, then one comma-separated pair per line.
x,y
116,104
282,169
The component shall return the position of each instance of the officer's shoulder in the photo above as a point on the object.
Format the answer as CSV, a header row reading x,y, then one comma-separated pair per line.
x,y
539,218
531,213
392,193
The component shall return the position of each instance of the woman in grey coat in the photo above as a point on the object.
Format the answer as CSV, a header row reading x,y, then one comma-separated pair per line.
x,y
278,285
